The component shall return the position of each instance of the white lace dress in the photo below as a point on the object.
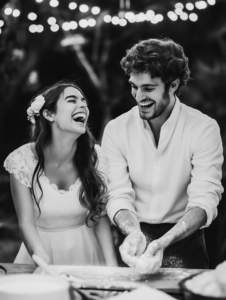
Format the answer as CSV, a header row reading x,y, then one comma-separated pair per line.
x,y
61,225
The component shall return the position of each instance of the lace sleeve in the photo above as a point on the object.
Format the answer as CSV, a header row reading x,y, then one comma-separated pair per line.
x,y
17,164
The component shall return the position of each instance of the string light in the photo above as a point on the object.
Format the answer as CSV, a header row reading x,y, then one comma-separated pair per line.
x,y
190,6
51,20
83,8
122,19
54,3
0,30
32,16
193,17
72,5
16,13
8,11
1,23
54,28
95,10
107,18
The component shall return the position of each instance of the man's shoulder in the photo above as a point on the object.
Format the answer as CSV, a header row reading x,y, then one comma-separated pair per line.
x,y
193,115
125,118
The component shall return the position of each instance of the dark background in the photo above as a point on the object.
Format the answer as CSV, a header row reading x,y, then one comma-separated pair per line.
x,y
31,61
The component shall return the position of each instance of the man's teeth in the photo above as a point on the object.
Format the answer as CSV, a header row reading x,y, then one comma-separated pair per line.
x,y
145,104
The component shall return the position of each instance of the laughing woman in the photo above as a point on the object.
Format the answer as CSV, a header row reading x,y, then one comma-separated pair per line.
x,y
58,183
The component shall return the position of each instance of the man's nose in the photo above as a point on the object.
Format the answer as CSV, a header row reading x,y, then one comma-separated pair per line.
x,y
139,95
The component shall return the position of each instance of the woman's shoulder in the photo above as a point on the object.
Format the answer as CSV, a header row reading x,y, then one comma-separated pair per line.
x,y
21,162
23,152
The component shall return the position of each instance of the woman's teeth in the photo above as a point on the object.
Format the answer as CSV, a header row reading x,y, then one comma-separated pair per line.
x,y
80,117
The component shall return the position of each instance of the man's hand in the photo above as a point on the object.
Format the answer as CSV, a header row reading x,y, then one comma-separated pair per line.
x,y
132,247
151,260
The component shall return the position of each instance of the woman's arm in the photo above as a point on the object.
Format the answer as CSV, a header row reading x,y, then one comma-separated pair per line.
x,y
24,206
104,236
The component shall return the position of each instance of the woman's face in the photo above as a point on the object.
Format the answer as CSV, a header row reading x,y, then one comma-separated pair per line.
x,y
72,112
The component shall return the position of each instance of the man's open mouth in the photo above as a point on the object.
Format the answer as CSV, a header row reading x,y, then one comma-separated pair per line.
x,y
79,118
146,104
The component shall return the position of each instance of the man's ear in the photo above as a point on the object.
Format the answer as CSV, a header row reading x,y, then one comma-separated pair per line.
x,y
47,115
174,86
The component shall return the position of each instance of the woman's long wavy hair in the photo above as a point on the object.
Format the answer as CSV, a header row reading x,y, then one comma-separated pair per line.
x,y
93,191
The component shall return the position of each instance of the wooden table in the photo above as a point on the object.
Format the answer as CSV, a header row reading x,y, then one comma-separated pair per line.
x,y
165,280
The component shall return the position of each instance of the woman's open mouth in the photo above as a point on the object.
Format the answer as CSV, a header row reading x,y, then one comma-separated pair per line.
x,y
79,118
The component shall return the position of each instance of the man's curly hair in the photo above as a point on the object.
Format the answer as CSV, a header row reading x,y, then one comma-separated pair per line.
x,y
160,58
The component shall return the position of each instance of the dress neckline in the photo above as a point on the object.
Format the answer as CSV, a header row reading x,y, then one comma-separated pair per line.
x,y
46,179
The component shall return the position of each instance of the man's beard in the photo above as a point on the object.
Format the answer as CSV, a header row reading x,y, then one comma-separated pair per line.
x,y
163,104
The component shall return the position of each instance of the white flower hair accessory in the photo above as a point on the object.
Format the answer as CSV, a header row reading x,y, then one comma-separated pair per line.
x,y
34,109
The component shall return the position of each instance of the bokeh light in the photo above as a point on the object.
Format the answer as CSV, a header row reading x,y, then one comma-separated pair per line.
x,y
122,22
16,13
73,25
193,17
184,16
72,5
32,28
115,20
8,11
190,6
83,8
95,10
54,3
179,5
107,18
40,28
91,22
51,20
66,26
55,28
32,16
83,23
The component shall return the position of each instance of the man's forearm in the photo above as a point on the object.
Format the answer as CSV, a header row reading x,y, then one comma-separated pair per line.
x,y
126,221
189,223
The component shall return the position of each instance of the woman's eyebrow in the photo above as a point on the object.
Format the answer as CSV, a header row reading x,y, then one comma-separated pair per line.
x,y
73,96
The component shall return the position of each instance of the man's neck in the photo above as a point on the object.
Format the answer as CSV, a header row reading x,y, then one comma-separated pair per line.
x,y
156,124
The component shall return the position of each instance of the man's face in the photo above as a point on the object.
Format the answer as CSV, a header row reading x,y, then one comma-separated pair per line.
x,y
150,95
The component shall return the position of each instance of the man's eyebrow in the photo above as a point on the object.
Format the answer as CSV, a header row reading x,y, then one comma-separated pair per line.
x,y
145,85
73,96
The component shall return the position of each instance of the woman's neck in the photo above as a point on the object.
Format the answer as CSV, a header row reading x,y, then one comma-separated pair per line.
x,y
61,150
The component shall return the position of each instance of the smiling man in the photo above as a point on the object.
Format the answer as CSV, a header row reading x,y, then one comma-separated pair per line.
x,y
165,161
